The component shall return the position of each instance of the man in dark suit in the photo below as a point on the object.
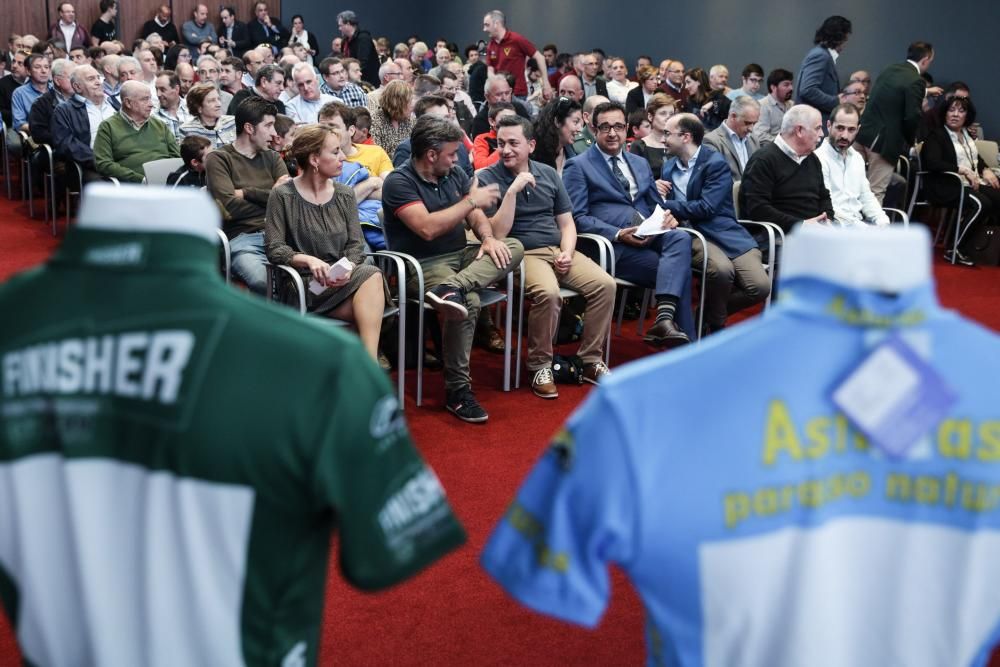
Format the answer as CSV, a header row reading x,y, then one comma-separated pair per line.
x,y
817,83
266,30
233,34
612,192
734,139
892,115
701,195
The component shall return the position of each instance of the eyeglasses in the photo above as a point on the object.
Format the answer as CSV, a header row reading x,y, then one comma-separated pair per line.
x,y
855,92
604,128
755,79
866,80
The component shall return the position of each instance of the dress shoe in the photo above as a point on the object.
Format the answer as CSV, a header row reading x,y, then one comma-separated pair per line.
x,y
666,334
596,372
490,340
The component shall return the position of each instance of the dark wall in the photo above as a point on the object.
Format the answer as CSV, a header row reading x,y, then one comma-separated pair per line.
x,y
774,33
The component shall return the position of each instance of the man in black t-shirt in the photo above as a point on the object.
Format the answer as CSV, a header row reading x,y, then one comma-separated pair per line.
x,y
425,202
105,28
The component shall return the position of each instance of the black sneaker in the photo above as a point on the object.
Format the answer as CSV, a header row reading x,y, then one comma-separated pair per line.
x,y
958,258
448,301
463,404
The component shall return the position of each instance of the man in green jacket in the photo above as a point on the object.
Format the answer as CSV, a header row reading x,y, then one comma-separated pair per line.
x,y
890,121
131,138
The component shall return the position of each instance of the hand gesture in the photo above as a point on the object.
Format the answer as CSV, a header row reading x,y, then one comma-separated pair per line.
x,y
318,269
523,180
485,196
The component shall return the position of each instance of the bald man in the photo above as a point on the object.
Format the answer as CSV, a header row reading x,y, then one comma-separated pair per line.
x,y
162,26
571,87
132,137
198,29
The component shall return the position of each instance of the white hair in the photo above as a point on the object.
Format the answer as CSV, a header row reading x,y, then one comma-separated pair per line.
x,y
718,69
60,65
301,67
495,79
128,60
798,115
132,88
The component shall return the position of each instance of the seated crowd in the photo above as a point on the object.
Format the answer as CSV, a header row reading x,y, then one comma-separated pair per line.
x,y
476,162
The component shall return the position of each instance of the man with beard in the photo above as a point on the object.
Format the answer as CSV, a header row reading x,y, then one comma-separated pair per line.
x,y
844,171
774,105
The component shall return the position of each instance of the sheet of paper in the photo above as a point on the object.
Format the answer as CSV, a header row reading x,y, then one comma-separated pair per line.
x,y
652,225
337,270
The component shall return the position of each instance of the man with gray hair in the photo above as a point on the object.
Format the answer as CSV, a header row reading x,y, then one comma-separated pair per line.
x,y
718,79
209,71
75,123
108,67
389,71
427,203
783,181
128,70
734,138
131,138
497,90
173,109
358,44
304,108
508,52
268,85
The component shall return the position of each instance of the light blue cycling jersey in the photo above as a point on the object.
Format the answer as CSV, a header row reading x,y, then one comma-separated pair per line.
x,y
761,528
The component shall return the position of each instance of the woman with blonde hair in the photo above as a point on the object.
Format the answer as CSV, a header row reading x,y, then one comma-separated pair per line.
x,y
312,222
205,106
393,119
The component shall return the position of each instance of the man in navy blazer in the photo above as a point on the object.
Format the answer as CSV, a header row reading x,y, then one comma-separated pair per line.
x,y
612,193
817,83
701,195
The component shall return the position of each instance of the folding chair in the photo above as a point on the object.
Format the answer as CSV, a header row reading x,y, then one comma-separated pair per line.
x,y
156,171
945,227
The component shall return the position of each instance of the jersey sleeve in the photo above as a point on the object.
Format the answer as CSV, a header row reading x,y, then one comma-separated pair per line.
x,y
574,515
562,200
393,516
526,46
398,191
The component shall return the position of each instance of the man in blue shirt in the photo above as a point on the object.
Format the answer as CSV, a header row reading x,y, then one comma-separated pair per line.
x,y
761,527
36,86
198,29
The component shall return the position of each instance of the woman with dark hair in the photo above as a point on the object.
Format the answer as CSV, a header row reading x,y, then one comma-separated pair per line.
x,y
207,119
300,35
653,146
557,125
950,148
178,53
312,222
711,106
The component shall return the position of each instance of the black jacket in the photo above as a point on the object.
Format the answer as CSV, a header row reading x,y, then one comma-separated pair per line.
x,y
938,156
71,132
40,118
276,36
241,38
168,32
362,47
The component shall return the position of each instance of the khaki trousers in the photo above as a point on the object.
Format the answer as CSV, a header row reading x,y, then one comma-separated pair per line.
x,y
541,286
731,284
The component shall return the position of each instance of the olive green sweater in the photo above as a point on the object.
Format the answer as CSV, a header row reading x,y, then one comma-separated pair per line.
x,y
120,150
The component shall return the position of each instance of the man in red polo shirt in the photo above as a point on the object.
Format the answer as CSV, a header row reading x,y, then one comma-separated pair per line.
x,y
508,52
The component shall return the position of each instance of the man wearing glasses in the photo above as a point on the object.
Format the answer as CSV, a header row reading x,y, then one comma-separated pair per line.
x,y
612,192
672,75
753,77
389,71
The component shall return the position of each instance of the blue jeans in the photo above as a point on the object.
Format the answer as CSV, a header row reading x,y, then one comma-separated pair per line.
x,y
247,255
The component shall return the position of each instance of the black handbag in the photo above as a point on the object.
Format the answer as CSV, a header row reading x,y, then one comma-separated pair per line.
x,y
985,247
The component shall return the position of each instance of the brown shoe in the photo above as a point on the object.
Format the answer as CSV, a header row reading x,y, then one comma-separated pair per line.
x,y
543,384
596,372
491,340
666,334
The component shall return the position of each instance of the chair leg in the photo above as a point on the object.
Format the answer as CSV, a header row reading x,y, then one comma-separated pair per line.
x,y
621,311
647,295
520,331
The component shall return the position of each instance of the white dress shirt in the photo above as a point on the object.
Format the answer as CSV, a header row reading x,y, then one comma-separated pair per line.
x,y
739,145
844,176
97,115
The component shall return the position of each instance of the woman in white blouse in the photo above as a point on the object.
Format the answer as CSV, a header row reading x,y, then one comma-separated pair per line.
x,y
619,85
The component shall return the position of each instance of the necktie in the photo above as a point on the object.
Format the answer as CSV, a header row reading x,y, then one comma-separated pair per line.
x,y
620,176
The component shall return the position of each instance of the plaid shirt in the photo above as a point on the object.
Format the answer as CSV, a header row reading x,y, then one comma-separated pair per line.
x,y
352,94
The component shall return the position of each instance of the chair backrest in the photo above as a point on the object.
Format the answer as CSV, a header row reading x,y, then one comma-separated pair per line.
x,y
157,170
988,151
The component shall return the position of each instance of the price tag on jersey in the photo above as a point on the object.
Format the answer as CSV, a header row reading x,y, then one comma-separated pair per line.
x,y
894,397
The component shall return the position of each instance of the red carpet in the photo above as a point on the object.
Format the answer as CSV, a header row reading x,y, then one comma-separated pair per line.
x,y
452,614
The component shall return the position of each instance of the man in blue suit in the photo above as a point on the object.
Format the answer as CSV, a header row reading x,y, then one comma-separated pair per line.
x,y
612,193
701,195
817,83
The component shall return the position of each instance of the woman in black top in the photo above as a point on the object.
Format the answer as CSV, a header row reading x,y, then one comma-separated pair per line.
x,y
652,147
556,126
950,148
711,106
